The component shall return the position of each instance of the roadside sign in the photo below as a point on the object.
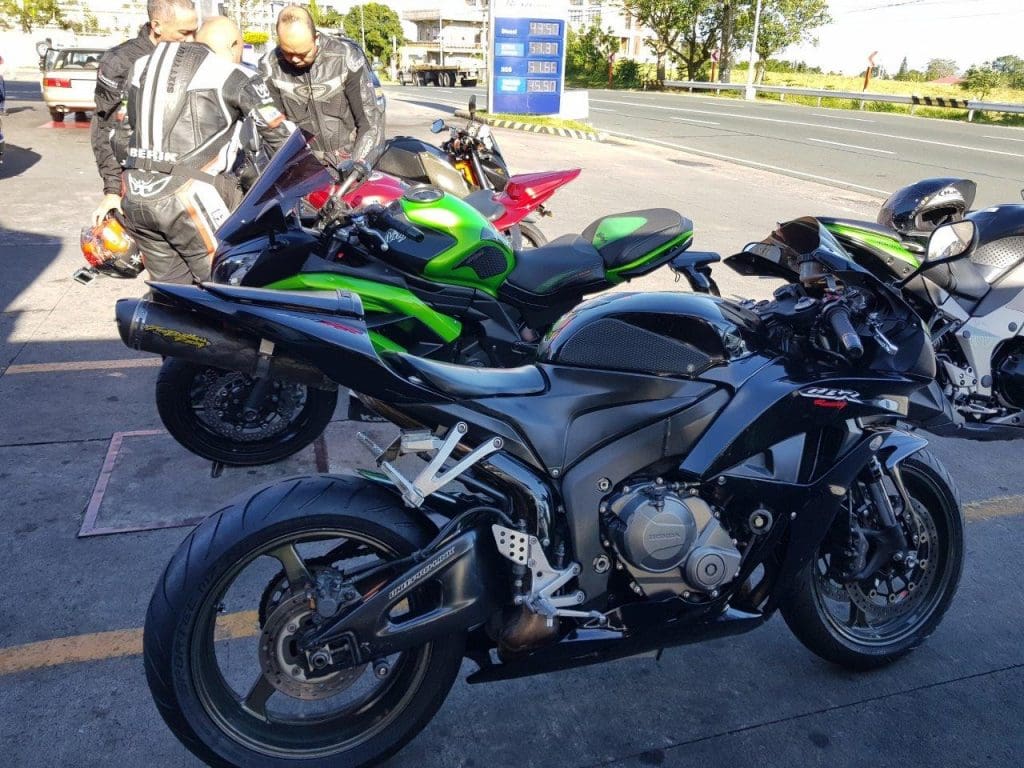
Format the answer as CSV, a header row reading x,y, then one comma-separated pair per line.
x,y
527,59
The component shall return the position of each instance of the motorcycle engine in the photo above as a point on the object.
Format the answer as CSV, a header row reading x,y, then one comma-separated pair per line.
x,y
671,544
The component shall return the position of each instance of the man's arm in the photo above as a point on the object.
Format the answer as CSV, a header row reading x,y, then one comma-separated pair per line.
x,y
111,80
362,101
251,97
266,72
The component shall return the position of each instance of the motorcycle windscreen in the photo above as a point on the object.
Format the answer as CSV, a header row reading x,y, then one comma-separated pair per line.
x,y
779,254
292,173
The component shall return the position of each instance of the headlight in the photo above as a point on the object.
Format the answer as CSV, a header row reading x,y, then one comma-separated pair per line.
x,y
233,269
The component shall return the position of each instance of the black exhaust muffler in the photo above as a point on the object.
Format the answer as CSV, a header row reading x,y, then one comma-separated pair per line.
x,y
172,332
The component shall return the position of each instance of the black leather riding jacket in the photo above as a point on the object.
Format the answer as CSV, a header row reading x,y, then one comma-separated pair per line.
x,y
333,99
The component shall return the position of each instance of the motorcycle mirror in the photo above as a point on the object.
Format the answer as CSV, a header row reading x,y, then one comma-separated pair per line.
x,y
41,48
437,126
951,241
472,106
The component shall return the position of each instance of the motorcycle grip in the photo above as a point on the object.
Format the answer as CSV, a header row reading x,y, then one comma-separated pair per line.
x,y
849,340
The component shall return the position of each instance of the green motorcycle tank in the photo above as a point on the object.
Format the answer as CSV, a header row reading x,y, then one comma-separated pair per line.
x,y
459,247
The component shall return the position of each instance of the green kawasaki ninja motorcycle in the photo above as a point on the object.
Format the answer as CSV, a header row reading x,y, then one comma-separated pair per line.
x,y
436,280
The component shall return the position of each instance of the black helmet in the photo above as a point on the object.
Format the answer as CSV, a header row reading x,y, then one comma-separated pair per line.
x,y
916,210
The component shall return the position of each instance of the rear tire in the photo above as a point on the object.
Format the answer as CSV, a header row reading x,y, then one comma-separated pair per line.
x,y
178,396
57,116
866,646
195,699
532,236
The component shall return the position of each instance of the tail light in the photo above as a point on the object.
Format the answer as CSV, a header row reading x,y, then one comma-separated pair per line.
x,y
56,82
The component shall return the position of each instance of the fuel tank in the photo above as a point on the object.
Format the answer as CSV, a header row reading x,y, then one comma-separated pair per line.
x,y
673,334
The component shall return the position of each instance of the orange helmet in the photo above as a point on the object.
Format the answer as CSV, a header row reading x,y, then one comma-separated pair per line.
x,y
111,250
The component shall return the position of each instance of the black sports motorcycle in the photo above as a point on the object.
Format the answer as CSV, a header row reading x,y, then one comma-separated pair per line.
x,y
674,467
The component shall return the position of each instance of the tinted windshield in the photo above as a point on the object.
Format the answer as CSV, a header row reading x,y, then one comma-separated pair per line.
x,y
291,175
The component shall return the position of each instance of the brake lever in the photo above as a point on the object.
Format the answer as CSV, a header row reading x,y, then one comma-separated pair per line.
x,y
883,341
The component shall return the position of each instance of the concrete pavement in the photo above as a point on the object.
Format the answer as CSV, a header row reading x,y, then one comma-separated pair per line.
x,y
755,699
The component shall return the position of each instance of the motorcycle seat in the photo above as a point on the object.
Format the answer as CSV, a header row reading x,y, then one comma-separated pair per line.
x,y
565,261
337,302
483,201
622,238
469,382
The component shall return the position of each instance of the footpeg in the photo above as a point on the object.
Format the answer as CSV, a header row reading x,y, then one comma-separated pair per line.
x,y
524,549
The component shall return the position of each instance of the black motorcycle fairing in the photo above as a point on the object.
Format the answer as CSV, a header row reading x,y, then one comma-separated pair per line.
x,y
421,162
336,302
779,401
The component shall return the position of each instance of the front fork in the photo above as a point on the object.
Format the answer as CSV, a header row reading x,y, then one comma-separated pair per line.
x,y
890,541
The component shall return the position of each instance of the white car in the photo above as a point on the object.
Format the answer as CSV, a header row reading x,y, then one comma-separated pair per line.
x,y
69,80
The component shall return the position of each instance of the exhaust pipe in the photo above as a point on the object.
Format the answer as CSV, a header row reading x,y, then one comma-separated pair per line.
x,y
172,332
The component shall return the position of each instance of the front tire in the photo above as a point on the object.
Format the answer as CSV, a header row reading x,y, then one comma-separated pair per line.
x,y
201,657
528,236
909,608
198,405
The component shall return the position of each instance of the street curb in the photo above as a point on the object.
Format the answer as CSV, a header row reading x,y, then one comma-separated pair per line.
x,y
568,133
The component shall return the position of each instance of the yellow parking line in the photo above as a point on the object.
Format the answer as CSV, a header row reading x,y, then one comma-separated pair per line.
x,y
107,645
1000,506
86,365
232,626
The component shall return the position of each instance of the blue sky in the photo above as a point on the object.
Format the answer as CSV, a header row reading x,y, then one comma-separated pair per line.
x,y
968,31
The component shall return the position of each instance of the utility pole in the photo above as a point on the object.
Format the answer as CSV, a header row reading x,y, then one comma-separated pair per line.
x,y
440,37
750,93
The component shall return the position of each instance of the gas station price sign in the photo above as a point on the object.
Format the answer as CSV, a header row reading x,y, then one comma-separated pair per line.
x,y
528,58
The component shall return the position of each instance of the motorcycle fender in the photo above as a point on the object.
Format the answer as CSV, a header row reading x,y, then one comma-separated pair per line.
x,y
466,568
899,445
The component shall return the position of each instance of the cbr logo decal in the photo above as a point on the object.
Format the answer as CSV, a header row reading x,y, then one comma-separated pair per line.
x,y
825,397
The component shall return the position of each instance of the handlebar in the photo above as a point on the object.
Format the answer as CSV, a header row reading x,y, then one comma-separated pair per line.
x,y
838,317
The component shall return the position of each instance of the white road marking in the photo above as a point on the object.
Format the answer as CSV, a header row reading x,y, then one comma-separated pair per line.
x,y
852,146
691,120
814,125
841,117
1001,138
744,161
598,109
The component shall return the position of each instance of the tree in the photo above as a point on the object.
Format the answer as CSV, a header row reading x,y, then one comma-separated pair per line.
x,y
1012,70
981,81
380,25
28,14
939,68
686,29
783,23
902,74
587,52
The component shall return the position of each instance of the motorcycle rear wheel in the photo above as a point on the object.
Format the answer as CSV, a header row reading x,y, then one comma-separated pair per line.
x,y
183,399
207,672
890,615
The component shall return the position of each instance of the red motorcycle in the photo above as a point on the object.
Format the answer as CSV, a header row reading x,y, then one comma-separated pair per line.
x,y
470,165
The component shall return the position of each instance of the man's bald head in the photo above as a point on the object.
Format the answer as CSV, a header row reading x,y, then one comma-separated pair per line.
x,y
222,36
296,36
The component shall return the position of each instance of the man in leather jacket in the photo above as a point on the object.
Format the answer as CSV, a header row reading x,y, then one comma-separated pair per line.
x,y
323,85
169,21
186,104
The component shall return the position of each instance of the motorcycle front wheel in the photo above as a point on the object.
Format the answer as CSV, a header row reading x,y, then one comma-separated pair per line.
x,y
204,409
220,640
874,621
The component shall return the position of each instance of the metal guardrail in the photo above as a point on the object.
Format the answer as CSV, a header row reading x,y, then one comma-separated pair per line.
x,y
862,97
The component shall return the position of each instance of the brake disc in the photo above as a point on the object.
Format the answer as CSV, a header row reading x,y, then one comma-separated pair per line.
x,y
286,667
921,533
224,398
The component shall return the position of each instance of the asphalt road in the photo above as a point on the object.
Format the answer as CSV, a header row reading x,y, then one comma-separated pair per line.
x,y
72,691
872,152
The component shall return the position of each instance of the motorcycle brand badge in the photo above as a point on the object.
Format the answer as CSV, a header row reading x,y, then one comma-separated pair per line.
x,y
394,236
142,188
826,397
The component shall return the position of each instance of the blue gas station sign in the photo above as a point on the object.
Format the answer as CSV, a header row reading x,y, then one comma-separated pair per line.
x,y
529,65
